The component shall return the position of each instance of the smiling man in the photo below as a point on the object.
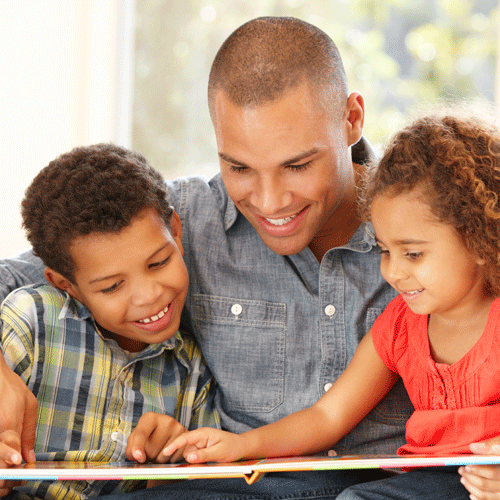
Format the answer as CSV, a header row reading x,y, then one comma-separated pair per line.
x,y
284,278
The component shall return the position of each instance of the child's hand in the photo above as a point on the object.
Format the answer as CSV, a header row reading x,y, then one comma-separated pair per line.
x,y
208,445
153,432
10,454
483,481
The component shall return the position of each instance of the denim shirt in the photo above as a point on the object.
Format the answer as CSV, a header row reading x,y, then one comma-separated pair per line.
x,y
275,330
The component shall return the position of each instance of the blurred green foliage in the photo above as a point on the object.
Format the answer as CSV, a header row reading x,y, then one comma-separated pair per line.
x,y
397,53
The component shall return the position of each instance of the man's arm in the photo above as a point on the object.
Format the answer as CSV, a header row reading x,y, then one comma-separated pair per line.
x,y
19,270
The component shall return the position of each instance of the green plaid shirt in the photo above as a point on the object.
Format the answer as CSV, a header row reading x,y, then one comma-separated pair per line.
x,y
90,393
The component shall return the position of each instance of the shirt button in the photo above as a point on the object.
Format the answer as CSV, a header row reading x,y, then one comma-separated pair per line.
x,y
236,309
327,387
115,436
330,310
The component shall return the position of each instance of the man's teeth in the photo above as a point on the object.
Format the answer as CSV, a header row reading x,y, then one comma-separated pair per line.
x,y
280,222
154,318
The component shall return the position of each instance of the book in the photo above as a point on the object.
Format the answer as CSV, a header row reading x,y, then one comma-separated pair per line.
x,y
250,470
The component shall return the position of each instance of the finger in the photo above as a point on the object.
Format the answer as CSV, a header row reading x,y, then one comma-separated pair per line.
x,y
135,447
482,472
28,433
480,487
490,447
10,448
161,437
176,444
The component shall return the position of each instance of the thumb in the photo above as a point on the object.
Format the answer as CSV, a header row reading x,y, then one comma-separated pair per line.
x,y
28,433
490,447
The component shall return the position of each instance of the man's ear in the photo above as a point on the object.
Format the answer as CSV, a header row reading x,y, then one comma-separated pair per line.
x,y
176,229
354,118
59,281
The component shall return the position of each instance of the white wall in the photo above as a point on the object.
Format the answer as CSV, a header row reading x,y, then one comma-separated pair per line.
x,y
65,81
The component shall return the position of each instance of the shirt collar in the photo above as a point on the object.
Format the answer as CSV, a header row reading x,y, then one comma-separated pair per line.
x,y
74,309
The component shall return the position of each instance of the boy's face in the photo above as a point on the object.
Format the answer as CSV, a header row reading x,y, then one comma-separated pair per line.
x,y
134,282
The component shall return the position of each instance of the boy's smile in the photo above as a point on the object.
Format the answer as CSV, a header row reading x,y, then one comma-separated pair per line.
x,y
134,282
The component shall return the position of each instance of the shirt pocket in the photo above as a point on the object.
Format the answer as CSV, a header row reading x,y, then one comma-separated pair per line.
x,y
243,342
395,408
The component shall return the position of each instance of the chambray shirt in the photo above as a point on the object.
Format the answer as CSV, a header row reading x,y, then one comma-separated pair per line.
x,y
275,330
90,392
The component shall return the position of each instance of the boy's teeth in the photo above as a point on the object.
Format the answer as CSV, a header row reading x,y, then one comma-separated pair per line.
x,y
154,318
280,222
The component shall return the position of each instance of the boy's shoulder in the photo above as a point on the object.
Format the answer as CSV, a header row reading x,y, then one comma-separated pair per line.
x,y
42,299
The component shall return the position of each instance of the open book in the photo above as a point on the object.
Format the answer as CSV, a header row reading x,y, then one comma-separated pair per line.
x,y
250,470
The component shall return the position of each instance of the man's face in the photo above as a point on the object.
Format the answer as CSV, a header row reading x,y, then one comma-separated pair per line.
x,y
286,165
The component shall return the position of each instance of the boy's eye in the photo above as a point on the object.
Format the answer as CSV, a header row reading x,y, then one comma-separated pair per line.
x,y
159,264
112,288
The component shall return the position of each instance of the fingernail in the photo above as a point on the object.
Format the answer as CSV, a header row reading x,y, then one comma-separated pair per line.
x,y
15,458
138,455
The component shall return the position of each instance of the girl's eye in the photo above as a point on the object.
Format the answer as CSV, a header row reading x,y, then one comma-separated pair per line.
x,y
414,255
112,288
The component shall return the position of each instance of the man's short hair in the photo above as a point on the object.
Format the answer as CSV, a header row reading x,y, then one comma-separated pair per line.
x,y
268,56
93,189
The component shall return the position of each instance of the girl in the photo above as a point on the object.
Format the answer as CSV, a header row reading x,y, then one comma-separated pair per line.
x,y
433,203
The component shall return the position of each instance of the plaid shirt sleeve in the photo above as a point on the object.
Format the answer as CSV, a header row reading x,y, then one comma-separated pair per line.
x,y
16,316
196,406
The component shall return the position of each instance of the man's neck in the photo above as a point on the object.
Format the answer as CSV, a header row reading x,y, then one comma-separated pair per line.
x,y
341,225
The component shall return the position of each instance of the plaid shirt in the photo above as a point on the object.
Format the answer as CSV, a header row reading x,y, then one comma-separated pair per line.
x,y
90,393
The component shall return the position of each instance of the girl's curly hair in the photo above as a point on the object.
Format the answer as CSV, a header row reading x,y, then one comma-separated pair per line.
x,y
98,188
455,159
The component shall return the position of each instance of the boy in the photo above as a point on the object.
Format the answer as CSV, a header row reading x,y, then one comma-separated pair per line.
x,y
100,347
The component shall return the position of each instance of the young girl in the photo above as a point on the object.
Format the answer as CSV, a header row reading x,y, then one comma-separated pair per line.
x,y
433,203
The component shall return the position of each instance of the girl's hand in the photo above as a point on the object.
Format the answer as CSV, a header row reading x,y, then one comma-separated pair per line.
x,y
208,445
10,454
153,432
483,481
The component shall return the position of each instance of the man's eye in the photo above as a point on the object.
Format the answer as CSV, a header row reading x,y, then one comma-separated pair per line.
x,y
298,168
238,169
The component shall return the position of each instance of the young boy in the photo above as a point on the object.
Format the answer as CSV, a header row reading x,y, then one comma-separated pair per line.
x,y
100,346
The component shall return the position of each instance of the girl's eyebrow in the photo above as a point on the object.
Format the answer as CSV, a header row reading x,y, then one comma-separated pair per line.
x,y
408,241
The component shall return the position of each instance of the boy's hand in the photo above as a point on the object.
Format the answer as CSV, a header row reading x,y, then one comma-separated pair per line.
x,y
18,409
483,481
153,432
208,445
10,454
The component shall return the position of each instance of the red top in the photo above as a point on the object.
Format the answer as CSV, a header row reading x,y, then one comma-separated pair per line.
x,y
455,405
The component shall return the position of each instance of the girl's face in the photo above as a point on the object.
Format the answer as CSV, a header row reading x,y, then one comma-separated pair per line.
x,y
424,259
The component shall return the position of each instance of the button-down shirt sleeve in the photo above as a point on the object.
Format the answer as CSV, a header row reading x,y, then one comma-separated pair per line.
x,y
90,394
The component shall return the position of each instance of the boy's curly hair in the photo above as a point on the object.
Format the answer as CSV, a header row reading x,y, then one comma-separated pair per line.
x,y
98,188
455,159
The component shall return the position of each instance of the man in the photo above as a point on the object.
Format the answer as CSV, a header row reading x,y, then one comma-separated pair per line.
x,y
284,279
